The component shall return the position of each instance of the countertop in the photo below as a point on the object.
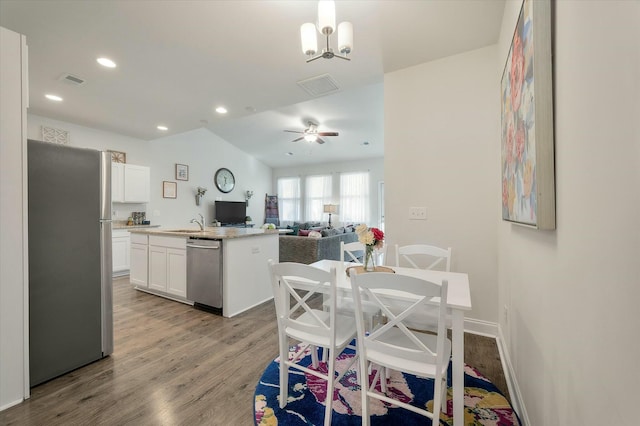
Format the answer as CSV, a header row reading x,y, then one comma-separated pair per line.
x,y
209,233
128,227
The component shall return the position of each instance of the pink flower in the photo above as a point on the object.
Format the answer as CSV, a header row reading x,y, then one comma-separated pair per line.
x,y
510,143
516,73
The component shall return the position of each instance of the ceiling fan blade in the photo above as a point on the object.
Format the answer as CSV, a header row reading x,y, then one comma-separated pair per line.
x,y
292,131
320,141
327,133
299,139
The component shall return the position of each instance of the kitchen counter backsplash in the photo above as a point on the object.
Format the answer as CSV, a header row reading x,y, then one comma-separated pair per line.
x,y
122,224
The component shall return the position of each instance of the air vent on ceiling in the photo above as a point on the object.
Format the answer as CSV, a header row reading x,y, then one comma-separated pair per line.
x,y
320,85
73,79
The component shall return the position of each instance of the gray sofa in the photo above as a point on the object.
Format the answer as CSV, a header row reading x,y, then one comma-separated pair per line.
x,y
308,250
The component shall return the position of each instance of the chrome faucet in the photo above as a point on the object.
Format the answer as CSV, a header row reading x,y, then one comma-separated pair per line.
x,y
199,222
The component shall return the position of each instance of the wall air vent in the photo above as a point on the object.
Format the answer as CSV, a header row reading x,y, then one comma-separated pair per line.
x,y
320,85
73,79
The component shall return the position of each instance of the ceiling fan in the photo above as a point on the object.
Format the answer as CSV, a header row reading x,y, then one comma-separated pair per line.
x,y
311,133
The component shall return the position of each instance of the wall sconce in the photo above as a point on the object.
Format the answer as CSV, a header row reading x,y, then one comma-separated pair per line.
x,y
331,209
247,196
199,195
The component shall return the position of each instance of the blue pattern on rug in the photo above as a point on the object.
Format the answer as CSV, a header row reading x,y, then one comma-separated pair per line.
x,y
484,404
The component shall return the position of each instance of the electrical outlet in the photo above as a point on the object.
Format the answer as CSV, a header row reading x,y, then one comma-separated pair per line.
x,y
505,311
418,213
255,250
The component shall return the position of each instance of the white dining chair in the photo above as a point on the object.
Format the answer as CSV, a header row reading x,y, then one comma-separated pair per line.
x,y
433,254
351,252
354,252
395,346
436,258
313,328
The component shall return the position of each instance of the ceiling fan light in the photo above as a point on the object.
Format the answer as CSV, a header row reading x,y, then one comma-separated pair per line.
x,y
310,138
309,41
326,16
345,37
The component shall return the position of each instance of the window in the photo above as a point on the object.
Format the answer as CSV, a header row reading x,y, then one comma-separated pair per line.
x,y
354,197
289,198
318,193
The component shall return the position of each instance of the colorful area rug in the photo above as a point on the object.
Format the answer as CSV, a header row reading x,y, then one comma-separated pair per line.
x,y
484,404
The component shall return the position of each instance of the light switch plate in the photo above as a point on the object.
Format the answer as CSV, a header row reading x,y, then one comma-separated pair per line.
x,y
418,213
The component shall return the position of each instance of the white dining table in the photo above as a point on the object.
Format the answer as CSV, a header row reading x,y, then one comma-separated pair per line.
x,y
458,301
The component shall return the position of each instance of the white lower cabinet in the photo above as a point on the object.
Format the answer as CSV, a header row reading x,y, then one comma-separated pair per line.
x,y
120,246
139,260
168,265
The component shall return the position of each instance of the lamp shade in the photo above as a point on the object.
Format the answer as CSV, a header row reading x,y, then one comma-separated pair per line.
x,y
309,41
331,208
345,37
326,16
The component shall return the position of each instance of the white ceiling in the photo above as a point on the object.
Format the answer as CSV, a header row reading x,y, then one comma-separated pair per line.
x,y
179,60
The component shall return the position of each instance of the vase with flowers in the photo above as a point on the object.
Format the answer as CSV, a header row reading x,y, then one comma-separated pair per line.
x,y
372,238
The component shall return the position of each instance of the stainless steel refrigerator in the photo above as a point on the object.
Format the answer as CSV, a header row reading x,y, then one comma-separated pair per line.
x,y
70,266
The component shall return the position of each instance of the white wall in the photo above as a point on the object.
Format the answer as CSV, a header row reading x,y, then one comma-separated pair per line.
x,y
375,167
201,150
205,153
573,294
14,378
441,126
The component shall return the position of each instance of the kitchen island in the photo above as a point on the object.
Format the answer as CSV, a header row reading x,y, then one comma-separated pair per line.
x,y
159,263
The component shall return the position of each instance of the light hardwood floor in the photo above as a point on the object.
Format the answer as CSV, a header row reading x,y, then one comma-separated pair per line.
x,y
175,365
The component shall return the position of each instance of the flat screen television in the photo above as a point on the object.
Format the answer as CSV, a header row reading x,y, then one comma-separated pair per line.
x,y
231,212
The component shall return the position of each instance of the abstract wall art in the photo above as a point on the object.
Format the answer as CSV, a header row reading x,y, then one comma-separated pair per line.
x,y
528,182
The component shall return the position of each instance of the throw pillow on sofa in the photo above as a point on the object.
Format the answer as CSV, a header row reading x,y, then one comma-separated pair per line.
x,y
329,232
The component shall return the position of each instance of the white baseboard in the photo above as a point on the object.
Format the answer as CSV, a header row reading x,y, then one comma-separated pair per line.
x,y
493,330
224,314
11,404
514,390
483,328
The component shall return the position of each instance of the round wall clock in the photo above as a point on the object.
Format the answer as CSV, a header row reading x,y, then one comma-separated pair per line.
x,y
224,180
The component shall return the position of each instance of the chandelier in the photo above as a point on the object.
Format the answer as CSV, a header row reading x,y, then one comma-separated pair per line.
x,y
326,26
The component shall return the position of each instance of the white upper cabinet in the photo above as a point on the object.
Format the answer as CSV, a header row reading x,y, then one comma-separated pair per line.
x,y
117,182
130,183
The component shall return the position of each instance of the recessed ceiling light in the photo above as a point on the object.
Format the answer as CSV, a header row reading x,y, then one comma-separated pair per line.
x,y
221,110
163,128
53,97
106,62
289,153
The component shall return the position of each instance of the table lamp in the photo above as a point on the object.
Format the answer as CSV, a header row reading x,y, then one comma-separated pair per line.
x,y
330,208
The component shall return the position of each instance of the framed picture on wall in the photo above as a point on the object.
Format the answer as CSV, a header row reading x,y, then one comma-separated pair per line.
x,y
526,97
169,189
182,172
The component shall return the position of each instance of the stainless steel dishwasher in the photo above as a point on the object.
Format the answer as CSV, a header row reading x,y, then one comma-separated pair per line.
x,y
204,274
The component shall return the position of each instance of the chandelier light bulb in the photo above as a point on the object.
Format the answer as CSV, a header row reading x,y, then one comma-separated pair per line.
x,y
310,138
326,16
309,41
345,37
